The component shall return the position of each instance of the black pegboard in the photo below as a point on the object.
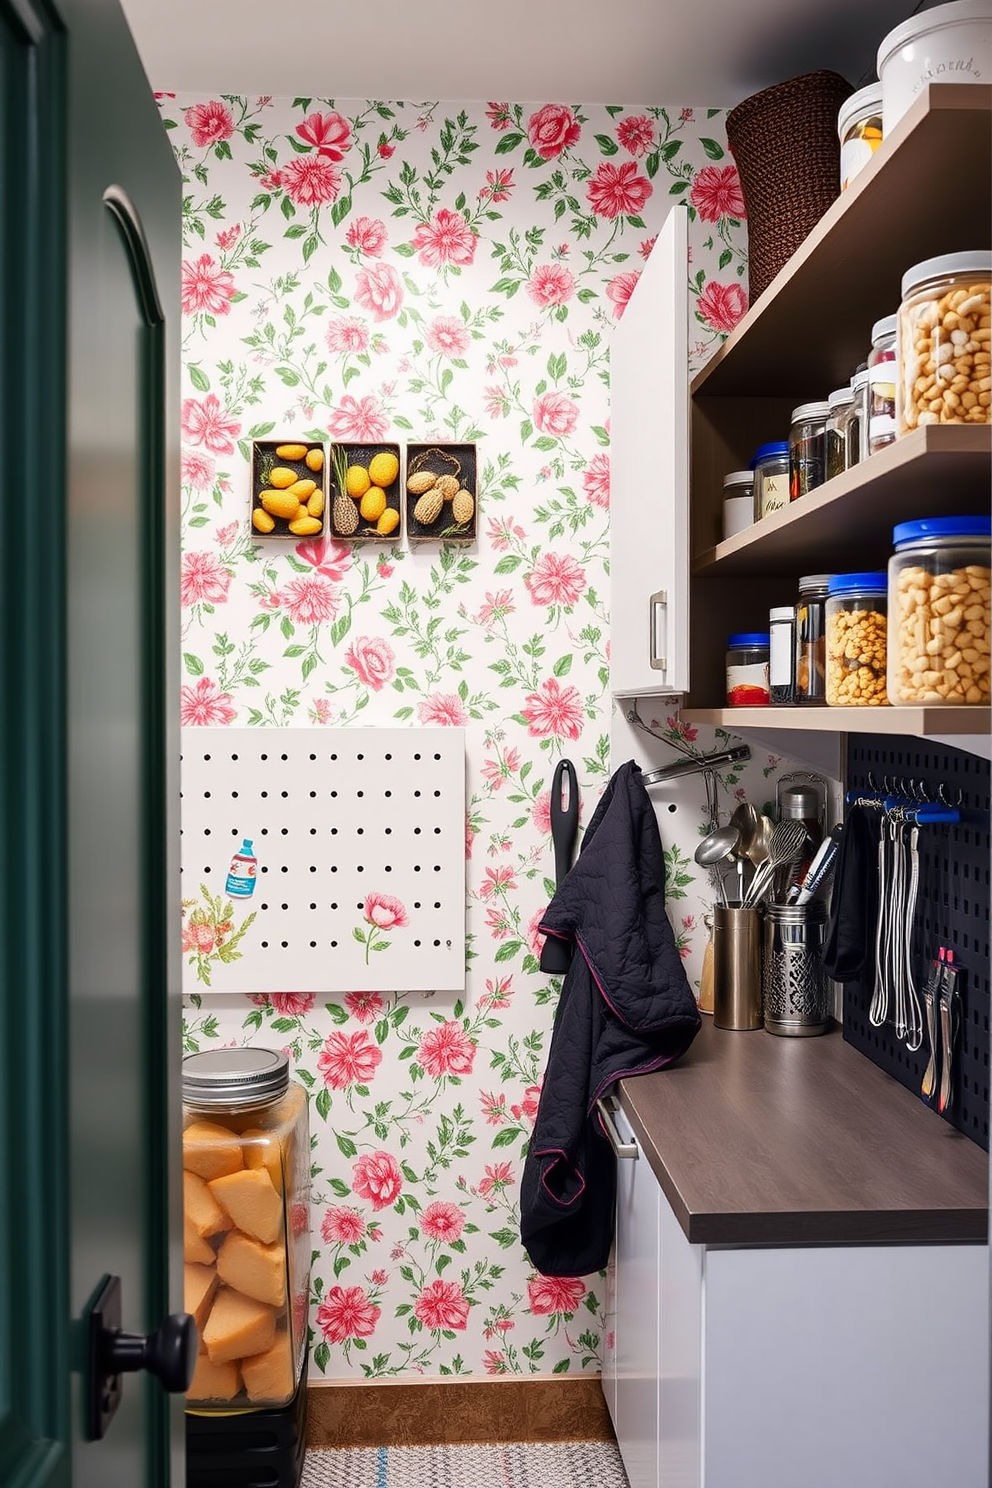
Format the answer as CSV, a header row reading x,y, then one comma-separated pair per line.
x,y
952,910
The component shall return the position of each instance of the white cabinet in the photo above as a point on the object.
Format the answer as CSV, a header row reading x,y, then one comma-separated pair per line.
x,y
649,471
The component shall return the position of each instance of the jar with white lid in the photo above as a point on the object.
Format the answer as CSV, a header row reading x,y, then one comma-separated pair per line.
x,y
807,448
856,639
246,1226
943,338
859,128
738,502
882,384
939,612
781,653
771,478
856,423
840,403
944,44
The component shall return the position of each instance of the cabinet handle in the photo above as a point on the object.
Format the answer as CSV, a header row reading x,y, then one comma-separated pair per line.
x,y
657,604
622,1149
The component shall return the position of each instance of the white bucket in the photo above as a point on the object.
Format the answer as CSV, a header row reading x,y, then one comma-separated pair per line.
x,y
948,44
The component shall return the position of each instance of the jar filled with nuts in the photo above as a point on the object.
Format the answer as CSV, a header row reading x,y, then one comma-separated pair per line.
x,y
939,611
944,331
856,632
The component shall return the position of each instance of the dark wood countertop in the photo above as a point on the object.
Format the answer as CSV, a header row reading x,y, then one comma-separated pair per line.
x,y
763,1140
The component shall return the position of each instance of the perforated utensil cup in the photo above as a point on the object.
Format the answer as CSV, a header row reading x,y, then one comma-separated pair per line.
x,y
796,992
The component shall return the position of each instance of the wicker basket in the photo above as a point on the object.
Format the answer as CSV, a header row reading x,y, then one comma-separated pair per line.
x,y
784,140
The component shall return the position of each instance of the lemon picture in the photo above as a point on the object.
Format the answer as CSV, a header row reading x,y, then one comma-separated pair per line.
x,y
383,468
357,481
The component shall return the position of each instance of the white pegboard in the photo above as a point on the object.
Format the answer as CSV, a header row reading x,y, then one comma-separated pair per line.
x,y
343,823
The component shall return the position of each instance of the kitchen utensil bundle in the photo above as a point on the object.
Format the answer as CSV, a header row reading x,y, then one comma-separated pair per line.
x,y
786,844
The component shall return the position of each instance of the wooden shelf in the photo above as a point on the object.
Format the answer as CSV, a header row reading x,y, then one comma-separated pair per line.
x,y
847,523
925,723
922,192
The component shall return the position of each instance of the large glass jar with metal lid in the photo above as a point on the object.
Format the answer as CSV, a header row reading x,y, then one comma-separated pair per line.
x,y
811,639
246,1221
807,448
939,611
856,636
945,321
835,435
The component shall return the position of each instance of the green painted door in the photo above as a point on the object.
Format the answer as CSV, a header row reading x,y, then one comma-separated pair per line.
x,y
89,915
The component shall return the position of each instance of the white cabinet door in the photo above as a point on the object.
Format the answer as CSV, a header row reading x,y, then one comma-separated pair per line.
x,y
637,1279
649,475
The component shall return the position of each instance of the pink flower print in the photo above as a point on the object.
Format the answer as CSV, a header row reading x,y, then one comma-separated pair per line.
x,y
270,180
446,239
716,193
347,1312
497,402
497,881
367,235
348,1059
346,333
441,1221
197,471
360,419
636,134
331,133
447,336
495,771
535,940
379,1277
442,1304
553,711
443,709
377,1178
499,992
618,190
498,185
342,1226
498,923
499,115
496,607
619,289
493,1107
365,1006
555,1294
292,1004
384,911
209,123
385,148
227,533
596,481
310,600
494,1362
496,1177
446,1049
722,305
541,815
501,532
552,129
204,705
645,249
327,556
206,287
202,580
310,181
229,237
556,579
527,1109
555,414
205,422
198,936
373,661
550,285
379,290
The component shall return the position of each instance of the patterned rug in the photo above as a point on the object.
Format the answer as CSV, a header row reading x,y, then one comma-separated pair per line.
x,y
499,1465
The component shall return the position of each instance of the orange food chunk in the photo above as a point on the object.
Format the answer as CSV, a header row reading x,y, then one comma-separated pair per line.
x,y
252,1202
254,1269
238,1326
210,1150
269,1376
201,1208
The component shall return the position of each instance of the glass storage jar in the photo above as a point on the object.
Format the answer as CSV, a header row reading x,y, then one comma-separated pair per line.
x,y
807,448
246,1225
835,434
781,653
738,502
747,670
856,424
944,327
856,634
939,620
811,641
882,384
771,477
859,128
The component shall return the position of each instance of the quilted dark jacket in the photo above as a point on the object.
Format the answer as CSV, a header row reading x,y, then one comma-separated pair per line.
x,y
625,1008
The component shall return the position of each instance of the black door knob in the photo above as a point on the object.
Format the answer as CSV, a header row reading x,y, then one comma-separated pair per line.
x,y
169,1353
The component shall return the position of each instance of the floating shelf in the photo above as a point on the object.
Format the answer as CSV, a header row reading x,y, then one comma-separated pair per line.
x,y
926,723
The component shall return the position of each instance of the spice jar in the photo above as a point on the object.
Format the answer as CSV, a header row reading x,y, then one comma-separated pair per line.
x,y
807,448
859,127
771,478
856,634
811,643
747,670
738,502
939,611
781,653
840,403
246,1167
882,384
945,322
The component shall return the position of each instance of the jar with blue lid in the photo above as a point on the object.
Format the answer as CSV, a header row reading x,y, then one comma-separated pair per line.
x,y
939,612
857,607
747,669
770,464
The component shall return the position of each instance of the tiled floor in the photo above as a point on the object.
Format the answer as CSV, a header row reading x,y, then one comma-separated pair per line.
x,y
593,1464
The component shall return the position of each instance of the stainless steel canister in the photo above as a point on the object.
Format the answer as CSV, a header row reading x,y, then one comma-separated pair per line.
x,y
797,996
736,967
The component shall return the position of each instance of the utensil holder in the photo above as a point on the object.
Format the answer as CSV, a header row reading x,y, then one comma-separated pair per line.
x,y
736,968
796,992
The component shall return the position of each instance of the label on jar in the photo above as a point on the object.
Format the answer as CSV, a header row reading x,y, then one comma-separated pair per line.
x,y
747,686
854,156
780,654
774,493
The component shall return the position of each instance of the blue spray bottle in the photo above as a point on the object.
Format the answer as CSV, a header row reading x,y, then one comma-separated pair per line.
x,y
241,875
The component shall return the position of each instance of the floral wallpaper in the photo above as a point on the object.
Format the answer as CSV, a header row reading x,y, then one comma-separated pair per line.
x,y
432,271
